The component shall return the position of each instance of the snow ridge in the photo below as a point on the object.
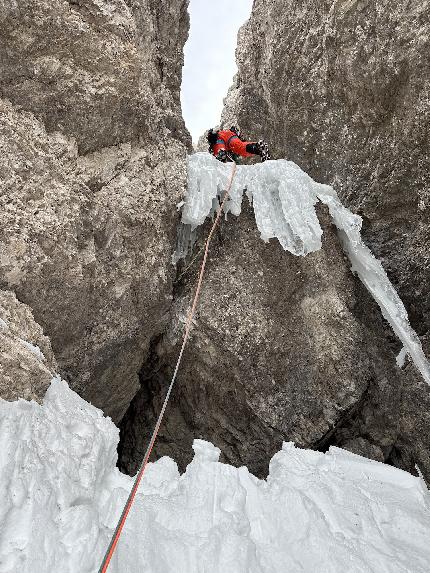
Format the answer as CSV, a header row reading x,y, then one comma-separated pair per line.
x,y
284,199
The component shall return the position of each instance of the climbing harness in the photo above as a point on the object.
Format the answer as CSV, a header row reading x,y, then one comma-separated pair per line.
x,y
115,538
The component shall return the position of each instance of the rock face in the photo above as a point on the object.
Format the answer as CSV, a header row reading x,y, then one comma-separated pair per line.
x,y
27,363
284,348
331,87
295,348
92,147
342,88
102,71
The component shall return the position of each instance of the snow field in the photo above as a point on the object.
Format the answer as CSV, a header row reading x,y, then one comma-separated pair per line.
x,y
62,495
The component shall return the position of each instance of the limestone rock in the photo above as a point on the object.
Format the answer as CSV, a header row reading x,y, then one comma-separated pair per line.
x,y
284,348
27,363
92,147
342,88
103,71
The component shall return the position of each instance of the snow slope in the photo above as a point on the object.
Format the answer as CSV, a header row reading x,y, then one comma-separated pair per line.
x,y
284,199
327,513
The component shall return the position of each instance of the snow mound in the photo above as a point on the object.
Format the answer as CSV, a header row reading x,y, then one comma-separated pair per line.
x,y
62,495
284,199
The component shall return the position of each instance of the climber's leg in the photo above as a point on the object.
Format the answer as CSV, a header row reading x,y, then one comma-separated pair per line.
x,y
239,147
219,151
249,148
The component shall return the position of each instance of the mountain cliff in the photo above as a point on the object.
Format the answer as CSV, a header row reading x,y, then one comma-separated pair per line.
x,y
93,163
92,146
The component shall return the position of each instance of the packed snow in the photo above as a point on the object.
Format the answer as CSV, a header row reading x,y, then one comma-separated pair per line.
x,y
284,199
62,495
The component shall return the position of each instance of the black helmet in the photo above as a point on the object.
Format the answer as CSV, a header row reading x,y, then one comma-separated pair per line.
x,y
212,136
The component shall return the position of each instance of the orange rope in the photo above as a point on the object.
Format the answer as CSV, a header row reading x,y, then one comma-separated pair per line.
x,y
115,538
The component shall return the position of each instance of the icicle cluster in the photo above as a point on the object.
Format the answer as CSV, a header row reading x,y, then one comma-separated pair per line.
x,y
284,199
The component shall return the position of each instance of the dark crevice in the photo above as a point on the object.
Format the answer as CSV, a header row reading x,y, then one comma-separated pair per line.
x,y
332,436
143,410
129,449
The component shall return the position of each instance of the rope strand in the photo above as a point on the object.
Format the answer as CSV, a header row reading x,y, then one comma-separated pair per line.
x,y
115,538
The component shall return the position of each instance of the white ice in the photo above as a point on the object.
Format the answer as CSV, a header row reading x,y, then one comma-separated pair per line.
x,y
284,199
283,196
33,348
401,358
62,495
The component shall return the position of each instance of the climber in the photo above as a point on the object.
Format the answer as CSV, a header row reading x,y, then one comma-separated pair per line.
x,y
224,143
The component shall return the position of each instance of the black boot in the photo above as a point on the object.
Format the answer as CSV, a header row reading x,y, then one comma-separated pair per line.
x,y
260,148
263,150
222,155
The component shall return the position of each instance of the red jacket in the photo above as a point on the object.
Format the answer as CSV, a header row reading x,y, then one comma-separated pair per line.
x,y
229,141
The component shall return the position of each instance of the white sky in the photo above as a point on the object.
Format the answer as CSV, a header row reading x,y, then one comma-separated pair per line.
x,y
210,60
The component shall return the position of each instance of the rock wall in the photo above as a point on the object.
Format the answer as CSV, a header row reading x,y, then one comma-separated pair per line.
x,y
92,147
284,347
342,88
27,363
294,348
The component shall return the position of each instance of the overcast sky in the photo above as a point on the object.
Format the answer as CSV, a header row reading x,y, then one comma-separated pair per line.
x,y
209,59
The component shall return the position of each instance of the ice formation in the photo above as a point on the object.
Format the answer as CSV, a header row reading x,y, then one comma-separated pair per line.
x,y
284,199
62,495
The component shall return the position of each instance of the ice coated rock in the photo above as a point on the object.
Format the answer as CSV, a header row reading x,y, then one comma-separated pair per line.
x,y
62,496
284,199
284,346
330,86
374,278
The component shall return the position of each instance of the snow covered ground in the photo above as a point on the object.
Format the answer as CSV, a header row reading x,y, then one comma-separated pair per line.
x,y
316,513
284,199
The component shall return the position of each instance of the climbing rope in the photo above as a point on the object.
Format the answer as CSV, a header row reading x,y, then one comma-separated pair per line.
x,y
117,534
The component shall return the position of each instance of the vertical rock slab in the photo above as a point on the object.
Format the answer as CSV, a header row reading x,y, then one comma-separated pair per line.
x,y
92,165
342,88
